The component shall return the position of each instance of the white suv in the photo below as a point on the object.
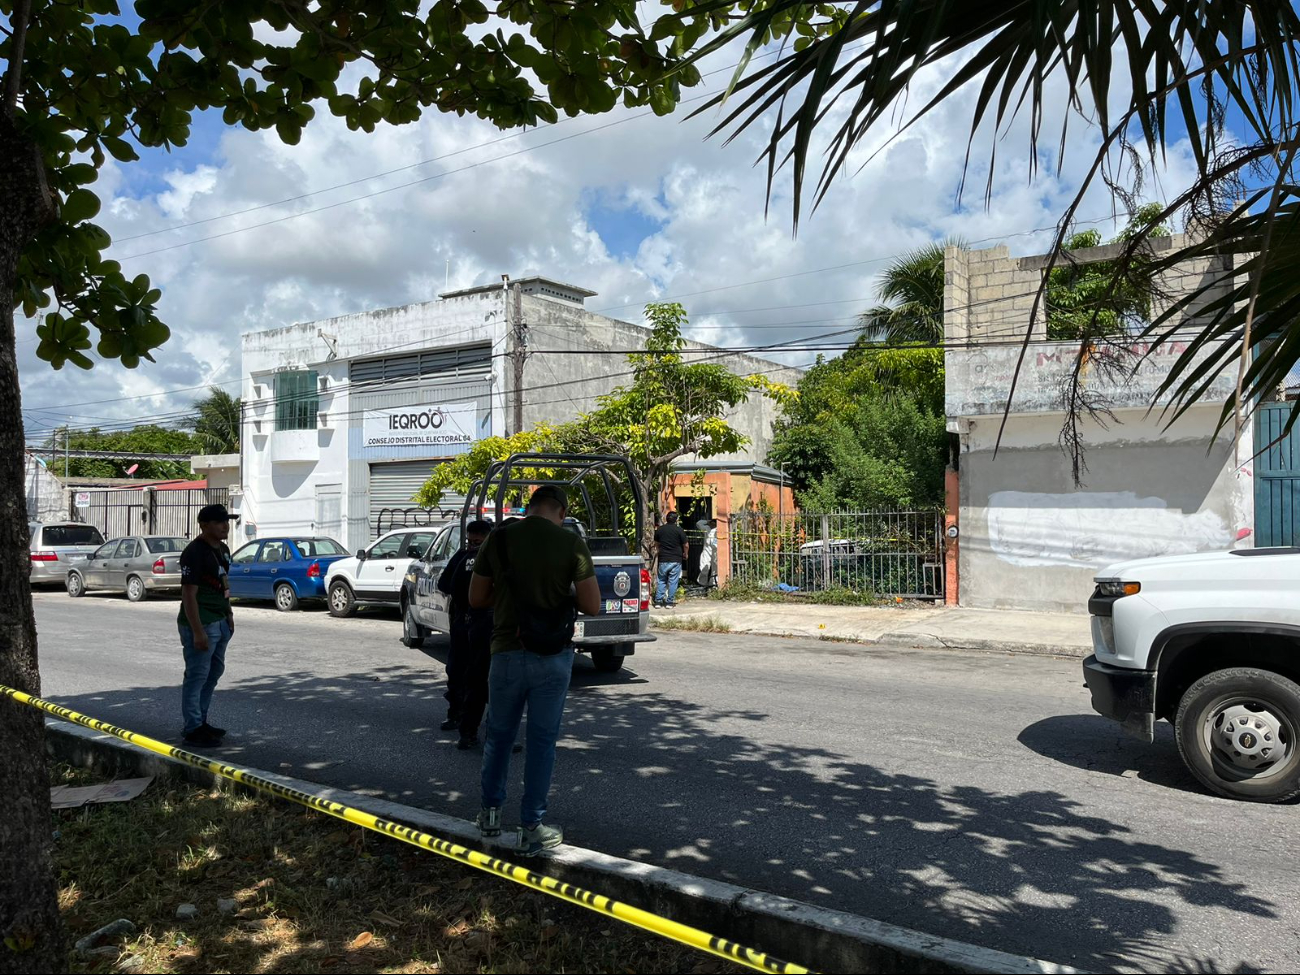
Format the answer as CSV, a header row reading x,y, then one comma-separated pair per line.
x,y
1212,644
374,576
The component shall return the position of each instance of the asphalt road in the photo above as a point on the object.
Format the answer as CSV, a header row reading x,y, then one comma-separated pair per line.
x,y
967,795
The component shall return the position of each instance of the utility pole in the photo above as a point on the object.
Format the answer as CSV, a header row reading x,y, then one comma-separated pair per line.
x,y
517,350
67,453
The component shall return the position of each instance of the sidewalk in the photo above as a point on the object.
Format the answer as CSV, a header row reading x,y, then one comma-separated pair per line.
x,y
1059,634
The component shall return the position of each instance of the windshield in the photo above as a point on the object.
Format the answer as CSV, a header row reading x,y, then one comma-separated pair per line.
x,y
312,548
71,535
161,546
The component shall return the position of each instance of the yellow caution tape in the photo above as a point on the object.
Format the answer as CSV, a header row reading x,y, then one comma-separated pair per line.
x,y
662,926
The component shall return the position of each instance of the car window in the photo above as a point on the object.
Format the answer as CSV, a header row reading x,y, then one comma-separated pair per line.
x,y
71,535
246,553
105,551
272,552
161,546
438,550
390,547
315,547
129,549
418,543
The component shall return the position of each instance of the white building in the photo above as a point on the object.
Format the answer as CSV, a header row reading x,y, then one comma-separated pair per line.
x,y
1030,538
344,418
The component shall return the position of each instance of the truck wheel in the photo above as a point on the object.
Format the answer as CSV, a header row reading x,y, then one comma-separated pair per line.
x,y
286,600
76,585
607,660
1238,731
342,602
135,590
413,634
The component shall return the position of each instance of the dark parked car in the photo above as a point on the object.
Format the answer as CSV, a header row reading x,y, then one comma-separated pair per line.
x,y
285,570
136,565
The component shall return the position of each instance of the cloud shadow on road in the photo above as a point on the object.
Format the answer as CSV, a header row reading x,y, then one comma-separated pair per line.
x,y
1028,872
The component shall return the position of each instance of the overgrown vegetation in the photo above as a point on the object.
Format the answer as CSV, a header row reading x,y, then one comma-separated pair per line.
x,y
310,895
834,596
693,624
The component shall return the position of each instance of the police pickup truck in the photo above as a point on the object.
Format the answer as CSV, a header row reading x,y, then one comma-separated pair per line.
x,y
595,485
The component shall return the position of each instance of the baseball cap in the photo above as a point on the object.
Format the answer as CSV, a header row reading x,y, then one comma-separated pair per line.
x,y
549,492
215,512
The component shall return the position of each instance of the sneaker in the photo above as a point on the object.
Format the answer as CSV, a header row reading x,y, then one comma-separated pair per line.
x,y
538,839
489,821
672,605
201,738
213,730
451,724
467,742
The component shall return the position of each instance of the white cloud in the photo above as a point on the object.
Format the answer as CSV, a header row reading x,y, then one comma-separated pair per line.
x,y
525,212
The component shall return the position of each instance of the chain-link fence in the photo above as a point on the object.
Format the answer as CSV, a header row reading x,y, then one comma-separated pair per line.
x,y
889,553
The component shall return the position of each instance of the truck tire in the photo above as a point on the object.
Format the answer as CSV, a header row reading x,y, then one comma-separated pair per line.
x,y
135,589
1238,731
608,659
286,600
342,602
413,634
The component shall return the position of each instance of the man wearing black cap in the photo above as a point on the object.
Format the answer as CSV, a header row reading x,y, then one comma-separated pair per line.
x,y
534,575
205,621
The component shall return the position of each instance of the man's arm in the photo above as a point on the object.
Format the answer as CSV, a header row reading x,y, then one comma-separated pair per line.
x,y
482,594
587,596
190,603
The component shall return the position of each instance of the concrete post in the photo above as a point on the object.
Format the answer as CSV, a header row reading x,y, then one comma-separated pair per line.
x,y
952,501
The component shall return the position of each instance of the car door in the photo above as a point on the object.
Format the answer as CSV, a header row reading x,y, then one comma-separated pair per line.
x,y
436,603
379,576
127,552
95,570
241,566
265,572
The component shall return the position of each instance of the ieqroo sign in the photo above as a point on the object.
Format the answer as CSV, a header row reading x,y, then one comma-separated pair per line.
x,y
421,426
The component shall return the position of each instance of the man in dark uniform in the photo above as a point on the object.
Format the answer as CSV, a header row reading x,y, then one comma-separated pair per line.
x,y
205,622
462,674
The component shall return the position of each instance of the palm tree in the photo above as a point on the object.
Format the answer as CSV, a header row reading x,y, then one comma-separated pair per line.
x,y
911,299
1141,75
217,420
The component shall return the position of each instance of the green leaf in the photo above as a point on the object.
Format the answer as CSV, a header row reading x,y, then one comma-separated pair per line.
x,y
81,204
120,149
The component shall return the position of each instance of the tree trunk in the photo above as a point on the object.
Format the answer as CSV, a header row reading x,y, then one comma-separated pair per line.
x,y
31,935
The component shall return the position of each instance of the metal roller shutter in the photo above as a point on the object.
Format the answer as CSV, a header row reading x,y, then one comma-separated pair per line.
x,y
392,486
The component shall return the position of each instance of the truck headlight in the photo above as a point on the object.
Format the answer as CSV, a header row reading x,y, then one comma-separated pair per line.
x,y
1116,588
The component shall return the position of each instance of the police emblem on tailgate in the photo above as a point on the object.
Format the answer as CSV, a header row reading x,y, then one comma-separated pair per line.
x,y
622,584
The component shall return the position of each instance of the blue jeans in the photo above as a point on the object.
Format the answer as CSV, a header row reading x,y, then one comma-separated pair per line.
x,y
670,574
202,671
517,679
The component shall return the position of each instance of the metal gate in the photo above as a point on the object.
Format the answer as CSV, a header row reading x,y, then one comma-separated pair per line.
x,y
1277,477
888,553
147,511
393,484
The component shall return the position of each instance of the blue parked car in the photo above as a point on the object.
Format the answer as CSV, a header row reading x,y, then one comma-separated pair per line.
x,y
286,570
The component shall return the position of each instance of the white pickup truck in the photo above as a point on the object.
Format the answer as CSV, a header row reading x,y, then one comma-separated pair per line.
x,y
1212,644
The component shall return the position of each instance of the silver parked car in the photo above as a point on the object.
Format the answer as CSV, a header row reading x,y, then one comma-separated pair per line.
x,y
136,565
58,545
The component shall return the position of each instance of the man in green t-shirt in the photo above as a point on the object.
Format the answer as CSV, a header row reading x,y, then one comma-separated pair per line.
x,y
533,574
205,622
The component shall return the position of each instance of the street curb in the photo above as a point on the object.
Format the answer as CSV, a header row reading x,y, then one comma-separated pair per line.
x,y
826,940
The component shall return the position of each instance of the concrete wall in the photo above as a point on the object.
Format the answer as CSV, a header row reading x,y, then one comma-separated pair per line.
x,y
47,500
1031,540
219,470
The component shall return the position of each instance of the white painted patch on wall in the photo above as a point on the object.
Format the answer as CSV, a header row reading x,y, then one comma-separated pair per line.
x,y
1092,529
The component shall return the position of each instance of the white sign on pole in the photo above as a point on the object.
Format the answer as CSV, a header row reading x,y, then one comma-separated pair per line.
x,y
82,499
421,426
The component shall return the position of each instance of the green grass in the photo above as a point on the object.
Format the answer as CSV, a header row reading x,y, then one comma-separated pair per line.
x,y
836,596
693,624
392,908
